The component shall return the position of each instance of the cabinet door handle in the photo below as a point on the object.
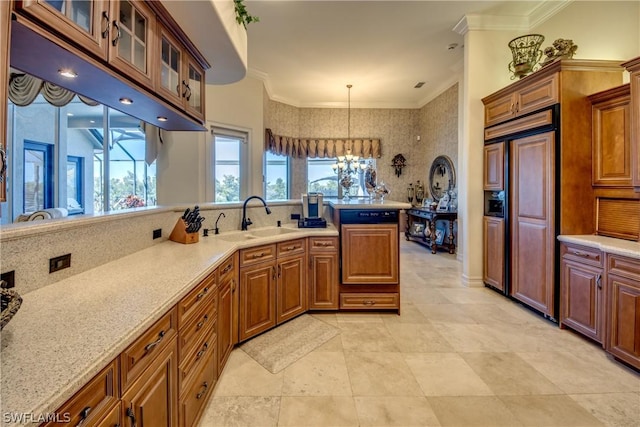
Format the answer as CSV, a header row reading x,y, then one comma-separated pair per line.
x,y
114,42
151,345
599,281
227,268
511,108
233,285
279,271
83,415
205,386
201,352
202,322
273,273
132,417
106,25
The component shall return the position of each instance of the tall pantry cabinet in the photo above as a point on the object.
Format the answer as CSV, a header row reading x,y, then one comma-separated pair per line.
x,y
543,121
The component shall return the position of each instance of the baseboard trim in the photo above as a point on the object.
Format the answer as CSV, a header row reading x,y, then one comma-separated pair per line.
x,y
472,282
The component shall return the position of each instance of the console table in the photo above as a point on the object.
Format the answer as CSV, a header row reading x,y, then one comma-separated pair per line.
x,y
428,218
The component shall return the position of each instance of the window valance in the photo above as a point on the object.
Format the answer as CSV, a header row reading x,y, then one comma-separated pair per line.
x,y
25,88
321,147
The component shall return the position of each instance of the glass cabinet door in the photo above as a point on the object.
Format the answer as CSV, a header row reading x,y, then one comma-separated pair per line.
x,y
171,67
194,96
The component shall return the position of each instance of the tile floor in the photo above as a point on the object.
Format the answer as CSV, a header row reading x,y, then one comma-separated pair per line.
x,y
455,357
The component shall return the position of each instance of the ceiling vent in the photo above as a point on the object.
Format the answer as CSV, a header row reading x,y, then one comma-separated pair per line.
x,y
419,85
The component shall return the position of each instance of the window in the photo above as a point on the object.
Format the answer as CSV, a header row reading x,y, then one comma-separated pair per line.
x,y
38,176
229,156
276,181
75,198
322,178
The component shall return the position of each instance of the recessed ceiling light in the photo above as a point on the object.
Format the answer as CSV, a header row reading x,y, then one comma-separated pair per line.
x,y
162,119
92,121
69,114
126,101
70,74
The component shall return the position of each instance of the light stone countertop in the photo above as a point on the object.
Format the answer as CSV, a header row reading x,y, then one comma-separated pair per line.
x,y
65,333
364,203
610,245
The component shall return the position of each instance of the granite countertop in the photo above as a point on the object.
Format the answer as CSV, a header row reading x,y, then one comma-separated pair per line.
x,y
610,245
365,203
65,333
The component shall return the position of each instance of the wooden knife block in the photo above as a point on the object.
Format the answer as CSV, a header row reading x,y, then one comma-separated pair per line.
x,y
180,235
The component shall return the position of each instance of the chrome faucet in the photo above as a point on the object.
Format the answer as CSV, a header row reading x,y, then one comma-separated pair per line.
x,y
246,222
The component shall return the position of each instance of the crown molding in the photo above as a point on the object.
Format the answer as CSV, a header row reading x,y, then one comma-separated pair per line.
x,y
546,10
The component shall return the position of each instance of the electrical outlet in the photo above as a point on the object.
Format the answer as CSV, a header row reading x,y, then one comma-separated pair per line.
x,y
10,278
59,263
157,233
295,216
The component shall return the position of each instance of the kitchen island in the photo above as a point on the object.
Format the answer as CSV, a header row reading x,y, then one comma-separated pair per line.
x,y
370,253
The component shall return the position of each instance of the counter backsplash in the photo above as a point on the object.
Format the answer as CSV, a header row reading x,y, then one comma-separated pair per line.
x,y
95,242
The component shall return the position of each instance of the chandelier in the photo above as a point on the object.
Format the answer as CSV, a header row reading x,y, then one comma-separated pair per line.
x,y
348,166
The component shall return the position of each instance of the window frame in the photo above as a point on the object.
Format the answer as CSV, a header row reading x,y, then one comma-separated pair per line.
x,y
79,196
288,175
229,131
48,173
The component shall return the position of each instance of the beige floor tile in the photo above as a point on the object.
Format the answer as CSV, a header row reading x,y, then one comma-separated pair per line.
x,y
549,411
358,317
418,338
492,314
446,374
395,411
472,411
409,313
508,374
317,374
329,318
333,411
613,409
243,376
472,296
366,337
445,313
471,338
380,374
241,411
425,295
583,373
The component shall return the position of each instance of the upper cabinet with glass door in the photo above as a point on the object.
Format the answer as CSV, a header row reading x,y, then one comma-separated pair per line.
x,y
86,22
181,78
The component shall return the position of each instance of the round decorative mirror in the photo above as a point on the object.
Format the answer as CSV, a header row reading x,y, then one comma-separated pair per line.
x,y
442,177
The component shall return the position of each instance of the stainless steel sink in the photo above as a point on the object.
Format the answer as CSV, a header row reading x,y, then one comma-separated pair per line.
x,y
236,237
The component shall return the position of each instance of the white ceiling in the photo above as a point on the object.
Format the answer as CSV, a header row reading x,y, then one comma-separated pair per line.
x,y
306,52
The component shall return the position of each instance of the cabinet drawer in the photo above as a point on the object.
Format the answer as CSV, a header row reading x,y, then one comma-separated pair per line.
x,y
135,359
582,254
195,397
190,305
291,247
227,268
258,254
113,419
623,266
192,333
369,301
94,401
191,362
323,244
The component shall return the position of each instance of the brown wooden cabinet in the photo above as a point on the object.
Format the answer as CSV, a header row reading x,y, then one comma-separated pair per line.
x,y
95,403
493,270
152,400
532,184
227,309
539,93
378,263
494,167
257,299
623,309
581,291
611,140
291,280
324,274
633,66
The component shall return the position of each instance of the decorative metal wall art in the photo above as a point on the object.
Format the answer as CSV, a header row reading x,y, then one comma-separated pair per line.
x,y
526,54
398,163
561,48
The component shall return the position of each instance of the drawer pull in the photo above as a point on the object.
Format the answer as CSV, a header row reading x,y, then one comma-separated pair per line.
x,y
151,345
201,352
291,248
205,386
132,417
368,302
227,268
201,323
202,294
580,253
323,244
260,255
83,415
